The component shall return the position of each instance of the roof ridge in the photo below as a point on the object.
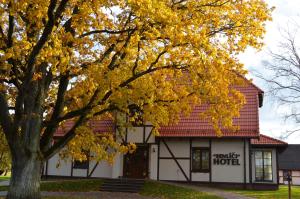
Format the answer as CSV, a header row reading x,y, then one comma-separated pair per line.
x,y
250,81
275,139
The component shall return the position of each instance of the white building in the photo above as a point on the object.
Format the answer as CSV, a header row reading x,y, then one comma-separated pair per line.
x,y
190,151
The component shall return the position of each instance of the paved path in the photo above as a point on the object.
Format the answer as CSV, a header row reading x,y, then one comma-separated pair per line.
x,y
4,183
95,194
209,190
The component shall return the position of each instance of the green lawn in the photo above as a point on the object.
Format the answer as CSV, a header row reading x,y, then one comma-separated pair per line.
x,y
61,197
2,178
151,188
166,191
82,185
281,193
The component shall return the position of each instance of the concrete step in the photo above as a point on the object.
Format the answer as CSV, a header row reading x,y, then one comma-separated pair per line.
x,y
123,185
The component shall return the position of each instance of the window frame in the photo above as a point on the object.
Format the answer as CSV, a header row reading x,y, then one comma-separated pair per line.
x,y
201,170
85,164
263,166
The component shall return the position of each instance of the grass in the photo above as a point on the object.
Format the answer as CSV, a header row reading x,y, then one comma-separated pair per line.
x,y
61,197
82,185
3,178
281,193
166,191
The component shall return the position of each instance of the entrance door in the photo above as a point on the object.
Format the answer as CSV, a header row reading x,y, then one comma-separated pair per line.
x,y
136,164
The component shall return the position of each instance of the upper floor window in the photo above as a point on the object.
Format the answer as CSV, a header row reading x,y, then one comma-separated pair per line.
x,y
263,166
135,115
77,164
81,164
200,160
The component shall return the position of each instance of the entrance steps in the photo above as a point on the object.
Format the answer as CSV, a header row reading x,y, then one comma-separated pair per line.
x,y
123,185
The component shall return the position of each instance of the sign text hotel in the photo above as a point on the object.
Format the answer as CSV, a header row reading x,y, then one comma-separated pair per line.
x,y
226,159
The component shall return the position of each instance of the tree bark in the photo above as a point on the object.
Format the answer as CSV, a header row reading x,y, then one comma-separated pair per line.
x,y
26,177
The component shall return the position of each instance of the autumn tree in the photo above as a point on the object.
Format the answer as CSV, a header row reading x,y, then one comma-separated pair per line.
x,y
5,161
65,60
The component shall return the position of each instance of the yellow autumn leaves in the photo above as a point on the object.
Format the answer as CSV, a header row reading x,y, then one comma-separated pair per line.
x,y
89,145
163,56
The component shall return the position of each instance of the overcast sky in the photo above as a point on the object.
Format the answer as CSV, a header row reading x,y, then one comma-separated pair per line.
x,y
271,114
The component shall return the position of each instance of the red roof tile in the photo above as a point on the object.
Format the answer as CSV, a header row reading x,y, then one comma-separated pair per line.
x,y
266,140
99,126
193,126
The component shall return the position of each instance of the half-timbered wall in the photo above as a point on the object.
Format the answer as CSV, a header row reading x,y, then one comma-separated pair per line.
x,y
102,169
295,177
153,157
58,168
140,134
174,160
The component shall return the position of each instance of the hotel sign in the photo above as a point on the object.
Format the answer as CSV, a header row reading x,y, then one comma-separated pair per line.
x,y
226,159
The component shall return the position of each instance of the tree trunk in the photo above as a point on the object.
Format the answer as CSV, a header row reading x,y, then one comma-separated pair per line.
x,y
26,177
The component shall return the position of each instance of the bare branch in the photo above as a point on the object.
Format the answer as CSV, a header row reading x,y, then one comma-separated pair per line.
x,y
106,31
284,80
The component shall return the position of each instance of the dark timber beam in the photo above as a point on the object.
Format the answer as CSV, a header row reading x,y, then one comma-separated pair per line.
x,y
173,156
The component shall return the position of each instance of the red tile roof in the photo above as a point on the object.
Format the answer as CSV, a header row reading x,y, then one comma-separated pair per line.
x,y
193,126
266,140
99,126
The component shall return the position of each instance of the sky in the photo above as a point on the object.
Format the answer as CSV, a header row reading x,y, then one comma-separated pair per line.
x,y
272,114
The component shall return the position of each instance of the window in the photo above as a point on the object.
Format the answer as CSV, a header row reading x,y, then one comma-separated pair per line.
x,y
82,164
200,160
263,166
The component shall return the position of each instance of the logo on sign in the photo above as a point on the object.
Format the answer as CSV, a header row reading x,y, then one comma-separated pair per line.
x,y
226,159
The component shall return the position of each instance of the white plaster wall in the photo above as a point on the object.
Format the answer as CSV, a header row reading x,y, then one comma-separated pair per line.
x,y
280,173
200,143
296,181
79,172
64,168
179,148
201,177
135,134
274,165
168,169
153,153
147,132
247,161
296,177
117,167
103,169
228,173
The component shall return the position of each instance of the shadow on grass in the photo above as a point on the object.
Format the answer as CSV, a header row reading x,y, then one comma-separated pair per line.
x,y
281,193
166,191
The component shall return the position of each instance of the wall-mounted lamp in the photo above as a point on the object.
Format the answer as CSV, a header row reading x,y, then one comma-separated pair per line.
x,y
153,150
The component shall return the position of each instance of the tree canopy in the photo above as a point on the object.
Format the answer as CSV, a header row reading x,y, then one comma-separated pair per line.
x,y
77,60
